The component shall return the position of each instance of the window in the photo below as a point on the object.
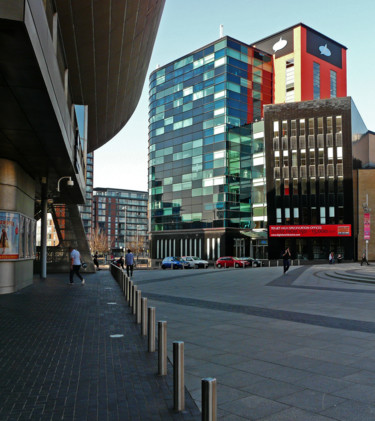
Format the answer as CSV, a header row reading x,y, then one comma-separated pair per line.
x,y
285,159
312,186
302,127
295,186
331,185
329,125
294,158
278,215
311,126
312,156
275,129
285,127
320,125
277,187
322,215
289,81
314,216
277,159
286,187
296,215
287,215
316,80
330,155
333,84
339,154
321,156
293,128
338,124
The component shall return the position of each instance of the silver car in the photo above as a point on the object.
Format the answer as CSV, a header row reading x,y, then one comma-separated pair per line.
x,y
195,262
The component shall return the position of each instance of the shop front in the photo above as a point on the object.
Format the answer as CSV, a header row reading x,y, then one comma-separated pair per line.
x,y
312,242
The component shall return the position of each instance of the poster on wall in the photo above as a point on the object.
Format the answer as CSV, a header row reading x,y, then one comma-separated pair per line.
x,y
9,235
32,247
21,234
27,238
366,226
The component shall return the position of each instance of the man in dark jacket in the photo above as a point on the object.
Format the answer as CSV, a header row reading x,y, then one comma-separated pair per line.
x,y
286,259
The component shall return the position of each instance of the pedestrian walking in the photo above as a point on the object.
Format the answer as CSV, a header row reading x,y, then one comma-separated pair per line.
x,y
129,261
286,259
364,259
331,258
96,261
75,265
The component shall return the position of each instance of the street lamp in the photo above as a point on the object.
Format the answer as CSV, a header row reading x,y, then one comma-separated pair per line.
x,y
69,183
124,209
137,242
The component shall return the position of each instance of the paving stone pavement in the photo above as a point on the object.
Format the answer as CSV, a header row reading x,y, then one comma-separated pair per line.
x,y
58,360
298,347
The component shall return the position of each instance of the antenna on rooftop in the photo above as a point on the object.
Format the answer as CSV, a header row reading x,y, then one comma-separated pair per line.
x,y
221,31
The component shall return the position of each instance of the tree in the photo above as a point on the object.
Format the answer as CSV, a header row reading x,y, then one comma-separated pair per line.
x,y
135,245
99,242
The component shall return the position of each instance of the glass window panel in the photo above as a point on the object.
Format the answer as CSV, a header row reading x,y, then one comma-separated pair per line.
x,y
220,62
286,187
316,80
220,45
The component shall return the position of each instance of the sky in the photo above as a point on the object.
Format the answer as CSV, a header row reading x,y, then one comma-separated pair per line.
x,y
187,25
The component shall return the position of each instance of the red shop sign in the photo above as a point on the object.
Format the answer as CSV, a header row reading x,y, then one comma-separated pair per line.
x,y
310,231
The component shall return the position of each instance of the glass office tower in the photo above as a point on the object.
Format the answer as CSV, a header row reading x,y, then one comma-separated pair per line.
x,y
201,150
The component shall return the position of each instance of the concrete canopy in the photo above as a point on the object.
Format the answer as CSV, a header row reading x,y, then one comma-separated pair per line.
x,y
108,45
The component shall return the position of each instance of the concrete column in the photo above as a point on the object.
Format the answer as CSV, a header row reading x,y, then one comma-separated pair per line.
x,y
43,239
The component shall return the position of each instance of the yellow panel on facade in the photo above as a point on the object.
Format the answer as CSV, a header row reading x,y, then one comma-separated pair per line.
x,y
280,76
280,70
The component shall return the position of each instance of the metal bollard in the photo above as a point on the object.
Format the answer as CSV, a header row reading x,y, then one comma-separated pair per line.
x,y
209,402
144,316
123,282
162,348
151,329
128,290
139,307
178,376
130,297
125,286
134,299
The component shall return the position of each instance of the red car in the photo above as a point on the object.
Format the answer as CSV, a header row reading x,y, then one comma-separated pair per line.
x,y
230,262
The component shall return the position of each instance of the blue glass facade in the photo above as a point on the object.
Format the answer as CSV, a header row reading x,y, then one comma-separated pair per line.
x,y
201,147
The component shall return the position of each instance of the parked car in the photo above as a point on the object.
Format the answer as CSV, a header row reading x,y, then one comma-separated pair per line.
x,y
174,263
230,262
254,262
195,262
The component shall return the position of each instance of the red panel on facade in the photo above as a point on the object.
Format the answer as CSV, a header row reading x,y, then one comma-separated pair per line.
x,y
310,231
266,89
307,74
250,112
